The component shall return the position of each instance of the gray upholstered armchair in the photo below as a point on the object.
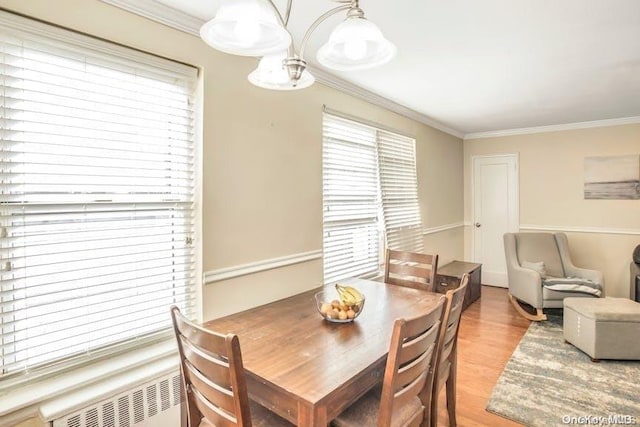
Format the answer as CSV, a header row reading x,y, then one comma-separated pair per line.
x,y
541,273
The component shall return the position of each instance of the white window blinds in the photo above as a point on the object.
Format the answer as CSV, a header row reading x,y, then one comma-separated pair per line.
x,y
369,185
399,184
97,194
350,199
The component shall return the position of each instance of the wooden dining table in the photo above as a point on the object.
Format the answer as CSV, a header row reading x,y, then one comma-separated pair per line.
x,y
307,369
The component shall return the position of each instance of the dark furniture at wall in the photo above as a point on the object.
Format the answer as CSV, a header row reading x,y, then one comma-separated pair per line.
x,y
449,275
635,281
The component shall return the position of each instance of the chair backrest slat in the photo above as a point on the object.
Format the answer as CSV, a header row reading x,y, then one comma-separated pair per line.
x,y
415,369
404,256
415,347
409,391
211,413
410,269
214,368
406,270
409,369
201,337
212,375
219,396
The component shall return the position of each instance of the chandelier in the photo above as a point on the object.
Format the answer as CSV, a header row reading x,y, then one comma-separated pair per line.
x,y
258,28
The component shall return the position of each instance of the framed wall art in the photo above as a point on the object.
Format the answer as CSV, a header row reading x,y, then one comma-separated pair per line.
x,y
612,177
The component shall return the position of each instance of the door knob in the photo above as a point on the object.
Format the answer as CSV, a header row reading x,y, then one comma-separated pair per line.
x,y
478,225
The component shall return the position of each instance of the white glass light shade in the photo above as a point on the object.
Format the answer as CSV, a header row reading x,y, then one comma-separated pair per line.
x,y
271,74
245,27
356,44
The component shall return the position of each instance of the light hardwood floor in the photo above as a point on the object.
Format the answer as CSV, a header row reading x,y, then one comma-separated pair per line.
x,y
489,332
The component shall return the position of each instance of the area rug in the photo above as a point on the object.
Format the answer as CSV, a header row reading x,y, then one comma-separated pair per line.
x,y
548,382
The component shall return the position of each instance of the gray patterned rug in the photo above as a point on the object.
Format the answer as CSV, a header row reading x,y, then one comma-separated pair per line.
x,y
548,382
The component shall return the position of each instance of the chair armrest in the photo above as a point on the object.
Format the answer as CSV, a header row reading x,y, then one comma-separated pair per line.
x,y
526,285
593,275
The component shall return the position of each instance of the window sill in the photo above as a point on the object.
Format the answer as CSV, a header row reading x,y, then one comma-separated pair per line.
x,y
59,395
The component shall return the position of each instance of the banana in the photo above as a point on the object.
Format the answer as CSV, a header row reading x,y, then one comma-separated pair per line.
x,y
345,296
356,294
349,295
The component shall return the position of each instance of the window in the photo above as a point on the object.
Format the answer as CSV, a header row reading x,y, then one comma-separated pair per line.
x,y
350,199
370,196
97,195
399,187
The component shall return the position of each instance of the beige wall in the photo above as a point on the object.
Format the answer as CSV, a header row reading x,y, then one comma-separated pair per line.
x,y
449,245
440,180
551,193
262,187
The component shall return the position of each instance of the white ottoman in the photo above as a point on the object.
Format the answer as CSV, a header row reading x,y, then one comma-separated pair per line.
x,y
604,328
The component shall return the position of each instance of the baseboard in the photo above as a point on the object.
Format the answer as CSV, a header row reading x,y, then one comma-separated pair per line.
x,y
496,286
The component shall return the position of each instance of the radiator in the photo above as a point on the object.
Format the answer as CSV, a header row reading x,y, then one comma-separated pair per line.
x,y
154,404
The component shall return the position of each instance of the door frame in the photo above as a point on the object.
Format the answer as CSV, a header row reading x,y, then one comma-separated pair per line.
x,y
514,187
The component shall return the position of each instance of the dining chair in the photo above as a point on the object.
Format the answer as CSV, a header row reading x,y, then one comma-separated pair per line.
x,y
447,358
411,269
404,398
213,380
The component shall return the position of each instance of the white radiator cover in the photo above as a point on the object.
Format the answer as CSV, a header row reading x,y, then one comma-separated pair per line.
x,y
154,404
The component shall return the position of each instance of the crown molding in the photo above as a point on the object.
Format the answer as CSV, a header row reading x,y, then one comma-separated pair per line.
x,y
554,128
161,13
328,79
156,11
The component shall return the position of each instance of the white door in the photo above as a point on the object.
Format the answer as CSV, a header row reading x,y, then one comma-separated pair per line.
x,y
495,212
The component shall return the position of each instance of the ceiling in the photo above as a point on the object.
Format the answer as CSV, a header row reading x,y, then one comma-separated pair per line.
x,y
479,66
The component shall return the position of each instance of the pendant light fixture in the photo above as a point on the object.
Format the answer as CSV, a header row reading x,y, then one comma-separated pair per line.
x,y
257,28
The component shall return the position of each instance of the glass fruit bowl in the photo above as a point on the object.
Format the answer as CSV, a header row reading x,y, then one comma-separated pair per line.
x,y
333,308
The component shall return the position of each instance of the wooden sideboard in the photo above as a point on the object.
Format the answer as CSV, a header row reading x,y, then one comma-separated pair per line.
x,y
448,277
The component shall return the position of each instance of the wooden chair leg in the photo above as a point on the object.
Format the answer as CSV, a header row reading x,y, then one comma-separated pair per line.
x,y
539,316
451,392
425,398
434,406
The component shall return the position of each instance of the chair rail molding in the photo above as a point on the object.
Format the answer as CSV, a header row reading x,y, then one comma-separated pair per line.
x,y
227,273
441,228
572,229
156,11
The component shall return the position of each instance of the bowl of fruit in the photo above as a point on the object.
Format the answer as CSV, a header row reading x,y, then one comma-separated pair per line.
x,y
341,306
